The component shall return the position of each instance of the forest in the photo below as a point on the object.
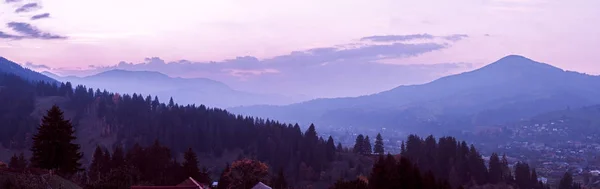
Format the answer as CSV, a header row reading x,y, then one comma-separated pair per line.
x,y
151,136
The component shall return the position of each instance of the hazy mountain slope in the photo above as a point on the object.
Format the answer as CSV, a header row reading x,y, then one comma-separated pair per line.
x,y
511,88
183,90
7,66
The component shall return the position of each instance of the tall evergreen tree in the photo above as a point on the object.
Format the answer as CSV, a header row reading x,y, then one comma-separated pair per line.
x,y
14,162
224,181
190,164
522,175
95,169
506,172
534,178
368,149
379,149
106,160
402,149
53,146
566,182
359,144
118,157
477,166
279,182
22,161
330,149
495,169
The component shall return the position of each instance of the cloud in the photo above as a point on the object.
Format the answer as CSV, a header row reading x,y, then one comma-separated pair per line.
x,y
403,38
36,66
245,74
337,70
28,7
455,37
11,1
40,16
29,31
9,36
389,38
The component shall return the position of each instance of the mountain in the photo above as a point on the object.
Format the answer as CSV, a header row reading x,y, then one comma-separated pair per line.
x,y
511,88
184,90
7,66
107,120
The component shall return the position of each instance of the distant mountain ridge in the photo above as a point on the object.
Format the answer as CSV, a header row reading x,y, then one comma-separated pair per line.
x,y
184,90
514,87
7,66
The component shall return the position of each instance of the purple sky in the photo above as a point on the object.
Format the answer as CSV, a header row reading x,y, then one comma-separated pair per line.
x,y
68,35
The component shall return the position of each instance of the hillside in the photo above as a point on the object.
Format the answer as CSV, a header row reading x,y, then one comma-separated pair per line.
x,y
511,88
106,119
184,90
7,66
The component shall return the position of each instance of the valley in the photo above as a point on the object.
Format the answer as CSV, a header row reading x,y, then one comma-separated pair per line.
x,y
553,133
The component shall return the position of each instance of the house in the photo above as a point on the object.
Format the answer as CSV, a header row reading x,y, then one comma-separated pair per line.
x,y
261,185
189,183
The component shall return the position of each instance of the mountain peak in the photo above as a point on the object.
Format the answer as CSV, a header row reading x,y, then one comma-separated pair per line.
x,y
518,63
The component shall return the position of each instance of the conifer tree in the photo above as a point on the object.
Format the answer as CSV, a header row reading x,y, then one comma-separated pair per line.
x,y
53,146
402,149
14,162
506,172
379,149
359,144
190,164
495,169
279,182
522,175
330,150
22,161
118,157
107,165
566,182
95,168
224,181
367,146
534,178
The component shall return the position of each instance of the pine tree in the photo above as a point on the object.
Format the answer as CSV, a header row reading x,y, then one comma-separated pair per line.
x,y
53,146
402,149
566,182
330,150
95,170
367,146
379,149
106,160
495,169
534,178
224,181
190,165
506,172
22,161
339,147
522,175
279,182
171,102
359,144
14,162
118,158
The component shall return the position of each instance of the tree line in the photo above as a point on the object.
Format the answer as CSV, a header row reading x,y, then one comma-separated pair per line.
x,y
143,119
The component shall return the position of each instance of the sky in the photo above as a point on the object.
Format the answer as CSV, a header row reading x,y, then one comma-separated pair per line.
x,y
380,38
